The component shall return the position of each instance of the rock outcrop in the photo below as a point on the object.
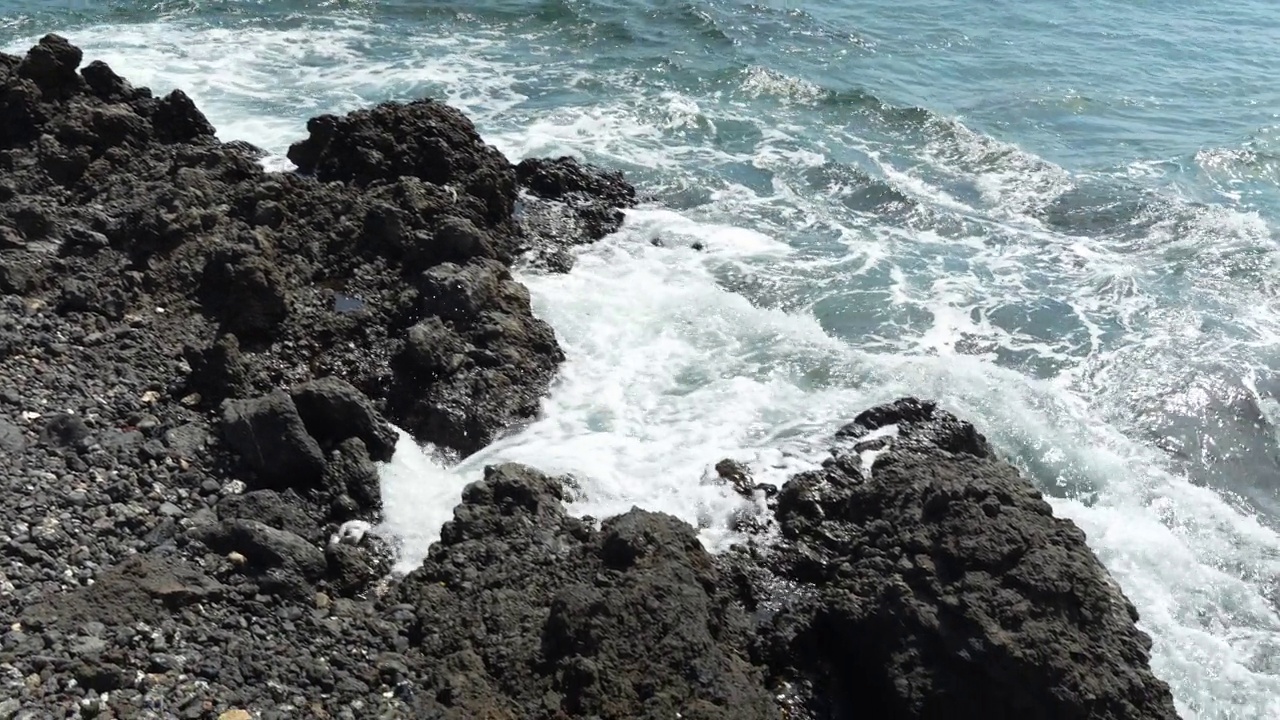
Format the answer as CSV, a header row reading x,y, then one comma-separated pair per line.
x,y
119,208
937,583
199,364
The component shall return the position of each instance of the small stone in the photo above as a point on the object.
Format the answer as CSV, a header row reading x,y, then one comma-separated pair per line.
x,y
233,487
170,510
235,714
88,646
322,601
237,559
150,397
162,662
90,706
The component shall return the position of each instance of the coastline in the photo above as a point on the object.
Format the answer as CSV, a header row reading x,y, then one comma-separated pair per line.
x,y
203,354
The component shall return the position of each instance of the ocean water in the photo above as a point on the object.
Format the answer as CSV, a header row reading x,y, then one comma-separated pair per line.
x,y
1056,218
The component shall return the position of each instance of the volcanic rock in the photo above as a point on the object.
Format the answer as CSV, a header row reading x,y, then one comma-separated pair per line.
x,y
938,584
627,621
178,325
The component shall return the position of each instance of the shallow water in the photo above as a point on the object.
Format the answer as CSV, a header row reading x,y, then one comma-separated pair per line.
x,y
1056,218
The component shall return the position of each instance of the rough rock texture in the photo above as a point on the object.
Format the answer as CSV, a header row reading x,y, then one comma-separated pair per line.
x,y
525,612
125,213
595,195
198,360
937,584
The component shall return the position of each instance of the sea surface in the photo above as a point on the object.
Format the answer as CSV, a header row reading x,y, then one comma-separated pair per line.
x,y
1056,217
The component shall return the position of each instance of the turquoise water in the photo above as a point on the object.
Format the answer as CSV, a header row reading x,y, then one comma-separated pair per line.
x,y
1056,217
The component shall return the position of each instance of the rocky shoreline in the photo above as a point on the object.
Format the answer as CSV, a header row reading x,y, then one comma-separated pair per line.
x,y
199,364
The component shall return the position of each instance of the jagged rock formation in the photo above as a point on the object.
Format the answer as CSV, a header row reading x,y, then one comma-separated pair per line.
x,y
198,363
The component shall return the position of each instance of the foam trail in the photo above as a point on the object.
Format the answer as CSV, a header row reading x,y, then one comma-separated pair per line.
x,y
638,413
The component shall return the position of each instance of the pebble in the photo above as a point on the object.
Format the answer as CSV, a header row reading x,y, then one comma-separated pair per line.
x,y
88,646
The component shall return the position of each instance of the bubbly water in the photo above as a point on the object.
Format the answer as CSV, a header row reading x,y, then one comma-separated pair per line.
x,y
1055,218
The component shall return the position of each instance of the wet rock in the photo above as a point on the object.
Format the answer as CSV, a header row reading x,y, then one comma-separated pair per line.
x,y
589,200
737,475
558,178
943,586
626,621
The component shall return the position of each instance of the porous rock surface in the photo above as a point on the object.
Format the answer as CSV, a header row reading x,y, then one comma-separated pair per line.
x,y
936,583
198,362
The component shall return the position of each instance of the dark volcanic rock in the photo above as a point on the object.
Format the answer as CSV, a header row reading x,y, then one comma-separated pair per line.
x,y
589,199
144,587
566,178
938,584
148,273
122,206
196,360
264,546
284,511
424,139
333,411
624,622
269,435
472,363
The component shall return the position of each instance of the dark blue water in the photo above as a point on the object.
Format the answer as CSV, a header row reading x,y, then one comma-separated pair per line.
x,y
1055,217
